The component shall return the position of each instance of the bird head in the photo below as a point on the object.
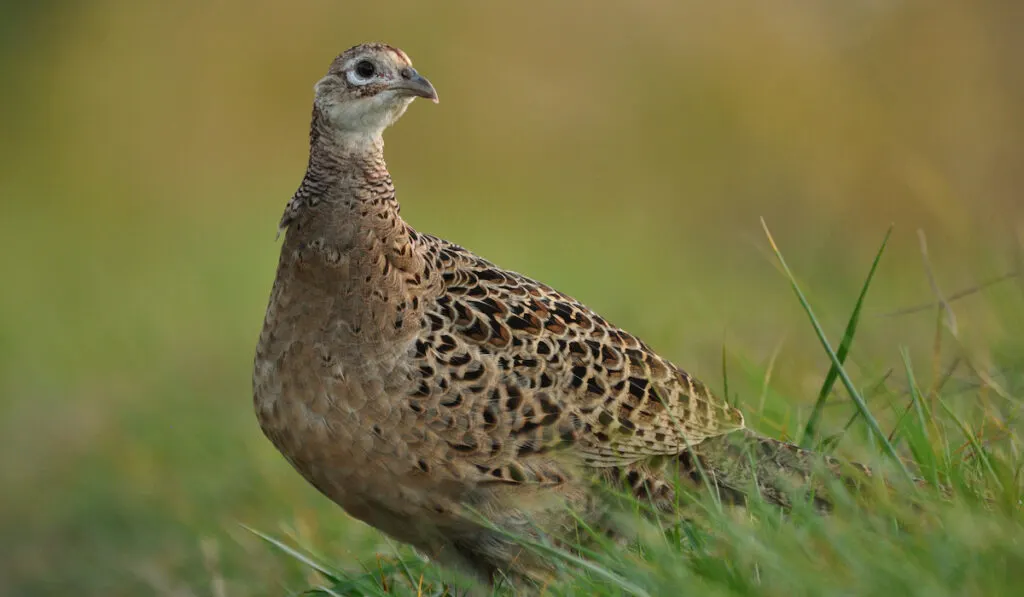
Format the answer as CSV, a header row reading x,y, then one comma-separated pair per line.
x,y
367,89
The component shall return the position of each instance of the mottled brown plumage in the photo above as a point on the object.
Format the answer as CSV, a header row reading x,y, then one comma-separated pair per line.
x,y
414,383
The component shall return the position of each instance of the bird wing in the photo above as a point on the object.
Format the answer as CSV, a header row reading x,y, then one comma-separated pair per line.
x,y
510,368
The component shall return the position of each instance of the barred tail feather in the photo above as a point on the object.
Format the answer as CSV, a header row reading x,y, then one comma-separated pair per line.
x,y
737,462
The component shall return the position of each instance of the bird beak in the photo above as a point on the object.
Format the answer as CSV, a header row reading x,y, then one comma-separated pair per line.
x,y
414,84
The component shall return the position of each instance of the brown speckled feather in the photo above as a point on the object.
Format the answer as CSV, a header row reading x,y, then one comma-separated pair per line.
x,y
509,369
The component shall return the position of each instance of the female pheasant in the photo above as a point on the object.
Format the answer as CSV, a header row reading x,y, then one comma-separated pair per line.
x,y
420,386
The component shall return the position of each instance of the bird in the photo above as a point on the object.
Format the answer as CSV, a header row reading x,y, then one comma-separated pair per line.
x,y
455,405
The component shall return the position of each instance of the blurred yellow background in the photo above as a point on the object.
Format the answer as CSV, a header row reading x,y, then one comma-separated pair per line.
x,y
621,152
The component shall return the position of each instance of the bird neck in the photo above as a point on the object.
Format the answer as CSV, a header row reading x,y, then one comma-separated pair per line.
x,y
345,215
346,177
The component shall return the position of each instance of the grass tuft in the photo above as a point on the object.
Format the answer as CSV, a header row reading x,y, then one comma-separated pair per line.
x,y
807,440
862,406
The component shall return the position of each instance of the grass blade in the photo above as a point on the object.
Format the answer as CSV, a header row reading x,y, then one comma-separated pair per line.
x,y
844,348
725,376
854,394
920,441
306,559
973,440
581,563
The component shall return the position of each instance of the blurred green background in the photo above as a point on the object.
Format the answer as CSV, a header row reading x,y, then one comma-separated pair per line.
x,y
622,152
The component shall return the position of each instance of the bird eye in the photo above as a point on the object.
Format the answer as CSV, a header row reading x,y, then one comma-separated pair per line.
x,y
365,69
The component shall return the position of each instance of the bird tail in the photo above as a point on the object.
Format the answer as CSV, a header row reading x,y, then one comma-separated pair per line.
x,y
737,462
